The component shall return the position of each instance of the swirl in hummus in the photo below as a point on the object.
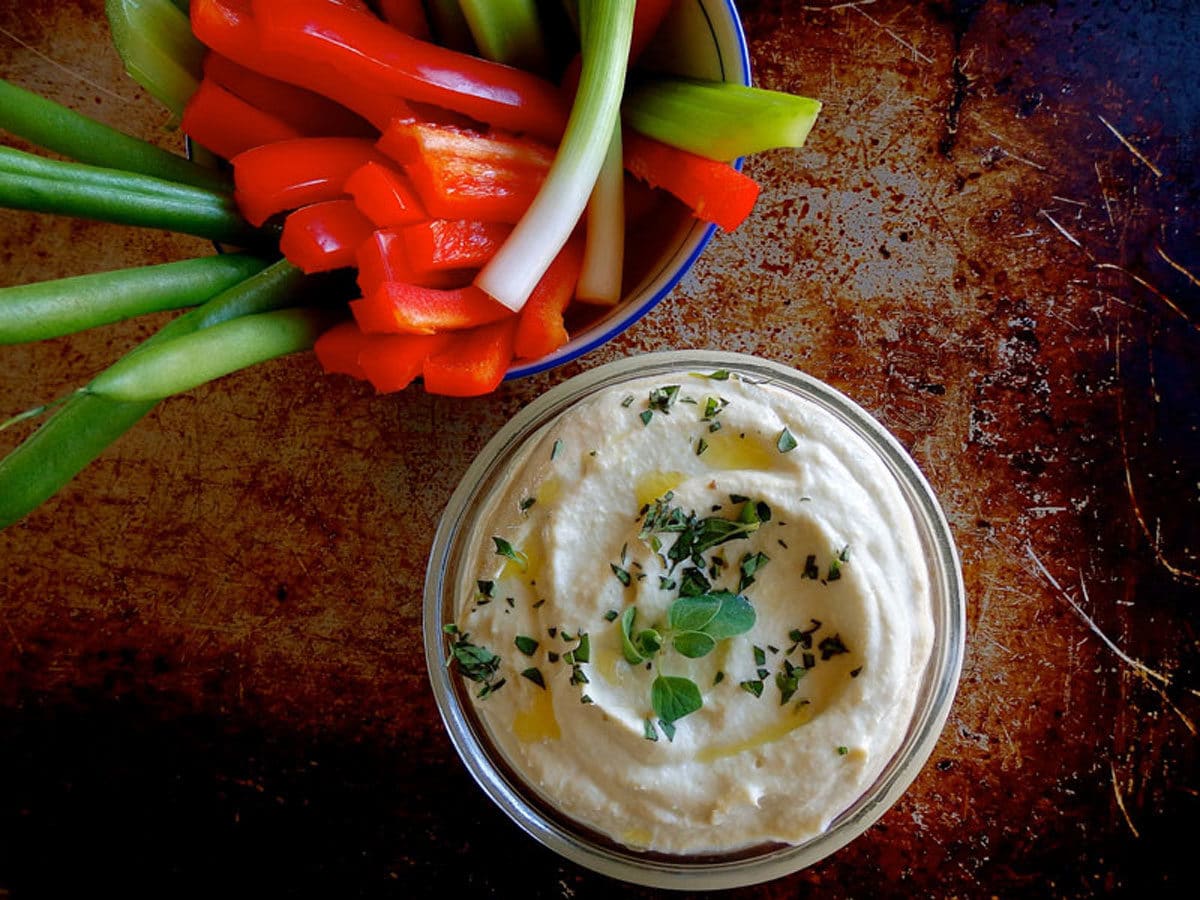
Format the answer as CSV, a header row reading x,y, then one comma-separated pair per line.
x,y
697,617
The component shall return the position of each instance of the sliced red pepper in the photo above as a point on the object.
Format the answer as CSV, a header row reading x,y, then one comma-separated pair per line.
x,y
540,326
385,195
400,308
462,174
228,125
382,257
307,112
440,244
391,361
338,348
230,28
714,191
289,174
474,363
391,62
324,236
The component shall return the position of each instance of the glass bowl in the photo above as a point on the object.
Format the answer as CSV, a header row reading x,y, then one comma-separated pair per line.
x,y
702,39
450,573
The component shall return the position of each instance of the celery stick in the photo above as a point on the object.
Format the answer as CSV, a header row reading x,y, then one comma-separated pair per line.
x,y
507,31
716,119
517,267
154,39
54,127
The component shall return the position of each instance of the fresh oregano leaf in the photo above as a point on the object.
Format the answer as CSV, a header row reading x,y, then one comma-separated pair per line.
x,y
673,697
693,644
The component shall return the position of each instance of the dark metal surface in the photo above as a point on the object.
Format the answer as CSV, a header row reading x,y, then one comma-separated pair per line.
x,y
211,676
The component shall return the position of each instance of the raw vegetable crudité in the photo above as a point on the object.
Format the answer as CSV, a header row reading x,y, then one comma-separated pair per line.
x,y
457,182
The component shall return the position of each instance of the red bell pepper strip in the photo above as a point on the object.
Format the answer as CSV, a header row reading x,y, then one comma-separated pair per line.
x,y
228,125
540,326
714,191
388,61
382,257
441,244
400,308
229,27
307,112
391,361
474,363
289,174
324,236
385,195
461,174
338,348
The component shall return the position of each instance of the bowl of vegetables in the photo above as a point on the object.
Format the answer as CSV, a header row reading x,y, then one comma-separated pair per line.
x,y
422,193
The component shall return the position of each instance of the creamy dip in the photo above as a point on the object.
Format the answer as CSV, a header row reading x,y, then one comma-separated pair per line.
x,y
802,700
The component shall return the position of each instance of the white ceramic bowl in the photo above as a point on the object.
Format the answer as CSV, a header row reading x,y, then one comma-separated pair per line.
x,y
703,39
456,537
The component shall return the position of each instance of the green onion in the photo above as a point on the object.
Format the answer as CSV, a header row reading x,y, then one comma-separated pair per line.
x,y
86,424
517,267
45,309
55,127
718,120
154,39
507,31
31,182
604,250
194,359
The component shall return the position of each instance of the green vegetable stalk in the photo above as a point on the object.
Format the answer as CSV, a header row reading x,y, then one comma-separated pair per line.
x,y
86,424
46,309
517,267
53,126
718,120
154,39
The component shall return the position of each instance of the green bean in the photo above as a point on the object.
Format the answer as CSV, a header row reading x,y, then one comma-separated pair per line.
x,y
86,424
46,309
179,365
55,127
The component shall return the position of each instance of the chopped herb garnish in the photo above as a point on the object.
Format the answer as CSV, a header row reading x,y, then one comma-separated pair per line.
x,y
810,567
585,699
485,587
583,653
668,728
718,375
842,751
539,603
701,446
478,664
622,574
787,680
611,615
534,675
760,656
526,644
646,415
450,628
854,673
718,678
752,687
831,646
527,503
715,425
556,449
835,566
648,729
552,656
505,549
577,675
750,564
627,401
662,398
786,441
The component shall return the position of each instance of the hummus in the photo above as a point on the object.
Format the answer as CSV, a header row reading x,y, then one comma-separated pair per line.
x,y
697,616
